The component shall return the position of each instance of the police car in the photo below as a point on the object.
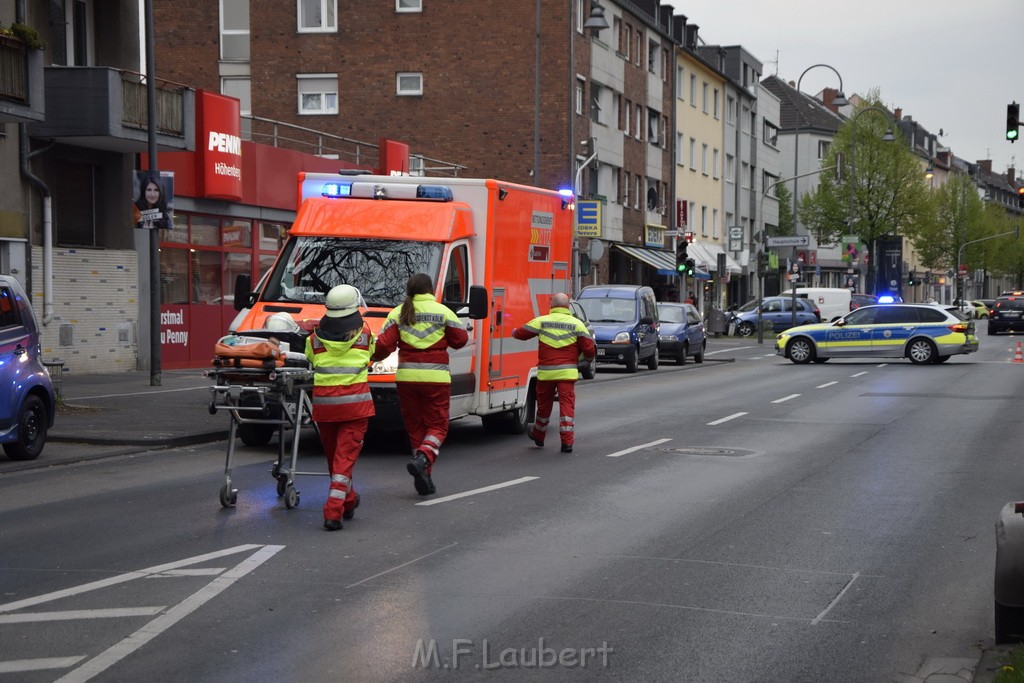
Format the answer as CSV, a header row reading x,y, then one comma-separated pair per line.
x,y
920,332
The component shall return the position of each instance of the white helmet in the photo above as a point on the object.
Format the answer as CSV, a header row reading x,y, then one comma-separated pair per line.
x,y
342,301
281,322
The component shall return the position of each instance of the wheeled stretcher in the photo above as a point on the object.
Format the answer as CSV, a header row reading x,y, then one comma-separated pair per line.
x,y
260,401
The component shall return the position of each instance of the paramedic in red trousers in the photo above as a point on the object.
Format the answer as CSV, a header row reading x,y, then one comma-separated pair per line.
x,y
339,351
423,330
562,337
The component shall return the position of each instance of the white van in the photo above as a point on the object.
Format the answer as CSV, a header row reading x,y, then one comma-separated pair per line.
x,y
833,302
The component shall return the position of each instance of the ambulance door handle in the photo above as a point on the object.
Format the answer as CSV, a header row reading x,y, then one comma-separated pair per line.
x,y
497,318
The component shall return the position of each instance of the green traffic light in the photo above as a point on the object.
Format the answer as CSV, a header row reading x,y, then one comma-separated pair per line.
x,y
1012,134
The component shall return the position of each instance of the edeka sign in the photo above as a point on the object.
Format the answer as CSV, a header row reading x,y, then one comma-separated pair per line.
x,y
588,218
218,146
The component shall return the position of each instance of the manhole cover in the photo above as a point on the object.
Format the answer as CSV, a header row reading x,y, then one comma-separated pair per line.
x,y
727,452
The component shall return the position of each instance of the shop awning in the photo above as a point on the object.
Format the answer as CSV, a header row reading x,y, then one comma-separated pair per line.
x,y
706,257
660,260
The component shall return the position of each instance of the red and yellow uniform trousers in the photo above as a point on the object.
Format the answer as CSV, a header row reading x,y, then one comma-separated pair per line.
x,y
342,408
561,338
422,378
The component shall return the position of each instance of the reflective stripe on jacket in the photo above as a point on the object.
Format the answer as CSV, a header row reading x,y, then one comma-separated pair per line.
x,y
422,347
562,338
340,369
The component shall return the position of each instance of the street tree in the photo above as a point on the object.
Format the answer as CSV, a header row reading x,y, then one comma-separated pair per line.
x,y
881,191
785,198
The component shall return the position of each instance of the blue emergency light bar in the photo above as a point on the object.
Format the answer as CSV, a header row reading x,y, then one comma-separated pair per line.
x,y
337,190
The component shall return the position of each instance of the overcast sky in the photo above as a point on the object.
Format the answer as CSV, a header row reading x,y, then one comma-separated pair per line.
x,y
950,64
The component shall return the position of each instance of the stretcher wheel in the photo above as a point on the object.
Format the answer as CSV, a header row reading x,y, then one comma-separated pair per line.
x,y
291,497
212,408
228,497
282,484
275,471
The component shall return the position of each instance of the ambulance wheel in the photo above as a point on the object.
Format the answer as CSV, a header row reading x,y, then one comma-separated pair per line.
x,y
291,497
228,497
1009,623
282,484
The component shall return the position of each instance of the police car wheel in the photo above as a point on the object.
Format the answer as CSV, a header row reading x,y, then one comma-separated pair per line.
x,y
921,351
800,351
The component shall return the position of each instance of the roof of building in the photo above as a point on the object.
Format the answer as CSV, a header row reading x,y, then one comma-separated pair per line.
x,y
798,110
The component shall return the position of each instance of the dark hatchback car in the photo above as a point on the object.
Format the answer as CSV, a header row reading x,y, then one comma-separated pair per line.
x,y
776,315
27,400
1006,314
682,332
858,300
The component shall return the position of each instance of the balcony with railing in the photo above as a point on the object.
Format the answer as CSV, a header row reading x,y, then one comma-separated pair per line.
x,y
21,82
107,108
356,152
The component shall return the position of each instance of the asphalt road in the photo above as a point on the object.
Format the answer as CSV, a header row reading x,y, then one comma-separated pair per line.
x,y
731,521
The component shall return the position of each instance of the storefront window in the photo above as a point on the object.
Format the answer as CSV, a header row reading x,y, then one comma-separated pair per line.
x,y
237,234
272,236
266,263
206,231
206,277
179,233
173,276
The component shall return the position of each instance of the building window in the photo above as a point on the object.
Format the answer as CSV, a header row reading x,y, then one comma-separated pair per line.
x,y
693,91
79,213
704,98
318,93
714,223
234,30
693,154
639,47
617,184
409,83
628,179
768,180
581,86
704,159
730,167
680,82
639,187
627,119
653,126
581,7
317,16
823,146
595,103
652,56
408,5
714,163
704,220
639,122
715,103
730,110
771,134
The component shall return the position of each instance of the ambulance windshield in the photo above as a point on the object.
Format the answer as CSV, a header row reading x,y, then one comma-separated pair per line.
x,y
310,266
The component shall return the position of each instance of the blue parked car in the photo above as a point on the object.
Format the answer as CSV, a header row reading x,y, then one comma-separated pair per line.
x,y
776,315
682,332
27,400
625,320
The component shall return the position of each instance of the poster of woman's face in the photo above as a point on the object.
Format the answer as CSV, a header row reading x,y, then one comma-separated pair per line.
x,y
154,200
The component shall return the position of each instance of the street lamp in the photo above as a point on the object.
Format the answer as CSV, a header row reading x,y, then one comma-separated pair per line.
x,y
888,137
594,23
840,101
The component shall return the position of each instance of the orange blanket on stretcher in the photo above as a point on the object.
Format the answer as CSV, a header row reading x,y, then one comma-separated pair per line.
x,y
266,355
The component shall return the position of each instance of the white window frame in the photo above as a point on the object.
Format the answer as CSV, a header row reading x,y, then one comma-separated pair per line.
x,y
327,7
639,122
693,91
629,117
653,126
223,32
823,146
406,92
704,220
402,6
693,154
680,149
325,94
704,158
714,223
581,86
716,104
639,186
704,98
681,83
714,162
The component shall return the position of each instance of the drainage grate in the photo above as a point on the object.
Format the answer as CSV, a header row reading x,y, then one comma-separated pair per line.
x,y
727,452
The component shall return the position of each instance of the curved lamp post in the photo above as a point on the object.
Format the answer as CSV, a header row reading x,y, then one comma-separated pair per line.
x,y
888,137
840,101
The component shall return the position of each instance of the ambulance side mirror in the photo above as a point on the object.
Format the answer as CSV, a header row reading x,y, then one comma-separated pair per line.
x,y
243,292
477,302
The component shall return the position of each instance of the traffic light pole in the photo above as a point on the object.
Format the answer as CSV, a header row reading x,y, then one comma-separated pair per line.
x,y
960,254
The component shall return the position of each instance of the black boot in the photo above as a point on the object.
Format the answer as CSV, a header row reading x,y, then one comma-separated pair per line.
x,y
332,524
417,467
566,448
351,512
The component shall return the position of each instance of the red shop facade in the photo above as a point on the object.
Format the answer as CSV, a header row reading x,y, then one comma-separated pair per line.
x,y
234,201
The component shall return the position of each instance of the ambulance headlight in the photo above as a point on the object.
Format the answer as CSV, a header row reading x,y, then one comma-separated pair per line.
x,y
386,366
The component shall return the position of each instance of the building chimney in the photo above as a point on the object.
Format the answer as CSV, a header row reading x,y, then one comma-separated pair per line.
x,y
827,95
985,165
897,113
1011,175
691,37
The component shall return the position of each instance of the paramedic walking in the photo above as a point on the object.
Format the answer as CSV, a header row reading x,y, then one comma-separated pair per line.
x,y
422,330
339,351
562,337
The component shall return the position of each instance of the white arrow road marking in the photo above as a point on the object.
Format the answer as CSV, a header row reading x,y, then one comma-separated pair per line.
x,y
484,489
26,617
637,448
172,616
114,580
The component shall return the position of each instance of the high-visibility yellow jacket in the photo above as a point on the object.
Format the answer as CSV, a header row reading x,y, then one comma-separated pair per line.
x,y
562,338
423,347
340,369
